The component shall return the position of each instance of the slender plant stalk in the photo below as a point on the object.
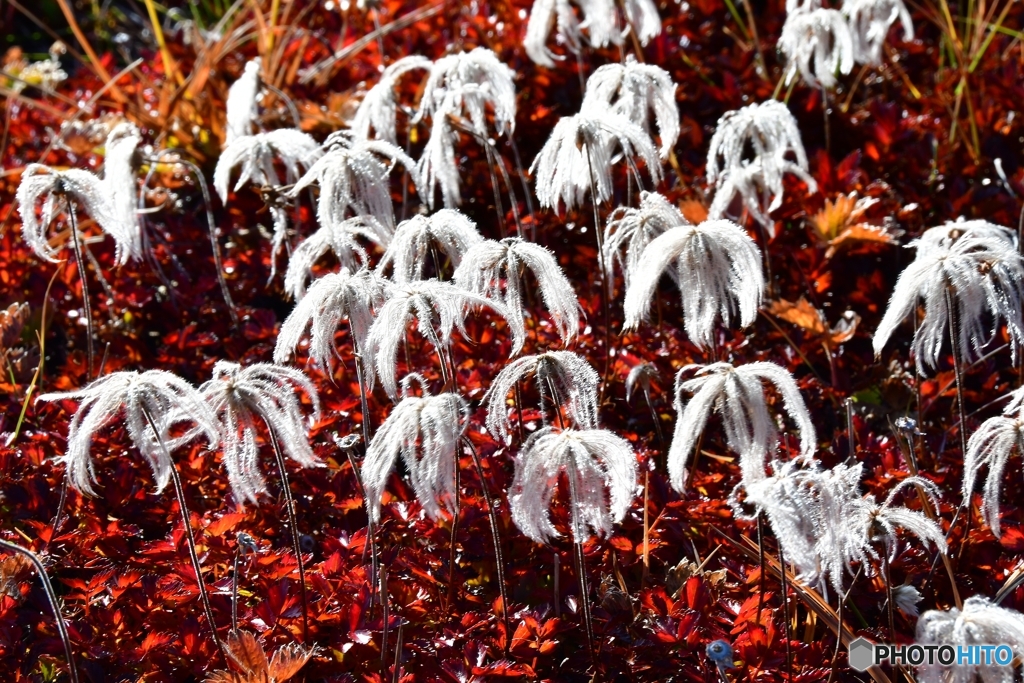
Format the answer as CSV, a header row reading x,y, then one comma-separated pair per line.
x,y
384,605
82,275
189,536
851,437
234,589
604,279
293,527
452,566
785,614
581,570
888,595
957,371
62,628
760,562
556,574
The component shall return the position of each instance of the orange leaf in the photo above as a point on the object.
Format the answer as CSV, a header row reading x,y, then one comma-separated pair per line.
x,y
246,652
802,314
287,661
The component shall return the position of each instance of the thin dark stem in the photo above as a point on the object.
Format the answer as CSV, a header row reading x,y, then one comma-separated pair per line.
x,y
293,528
851,437
555,581
499,210
190,538
60,506
395,673
957,371
384,604
492,518
452,567
785,614
62,628
363,404
604,279
888,595
87,307
519,412
760,562
581,567
526,187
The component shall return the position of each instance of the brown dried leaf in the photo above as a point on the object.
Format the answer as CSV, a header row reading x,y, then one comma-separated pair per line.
x,y
861,232
802,314
288,660
693,211
12,322
246,653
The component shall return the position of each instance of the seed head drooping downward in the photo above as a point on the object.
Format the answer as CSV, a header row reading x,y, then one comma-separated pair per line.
x,y
992,445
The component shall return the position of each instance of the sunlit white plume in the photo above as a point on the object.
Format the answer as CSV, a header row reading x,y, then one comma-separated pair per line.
x,y
981,622
473,80
634,89
564,379
593,460
600,19
332,298
629,231
438,308
377,110
121,186
718,269
354,178
447,231
578,156
495,270
870,21
425,430
166,398
241,396
341,240
241,102
737,394
991,445
978,265
821,36
760,192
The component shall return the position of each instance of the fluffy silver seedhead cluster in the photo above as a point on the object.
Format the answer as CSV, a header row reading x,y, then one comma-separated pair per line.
x,y
121,187
737,394
594,460
634,89
565,374
241,102
353,178
979,623
991,445
977,263
599,19
240,397
341,240
817,35
494,270
870,21
378,108
718,269
425,430
437,307
464,84
168,399
450,232
333,297
629,231
770,130
578,156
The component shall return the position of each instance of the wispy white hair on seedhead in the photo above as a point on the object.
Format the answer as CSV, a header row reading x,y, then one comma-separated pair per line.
x,y
818,35
121,186
353,177
633,89
493,269
438,308
330,299
425,430
377,110
241,102
167,398
991,445
979,264
437,166
594,460
737,394
759,187
55,190
341,240
770,131
240,396
642,16
629,231
981,622
450,232
464,84
568,375
718,270
582,147
545,15
870,21
600,19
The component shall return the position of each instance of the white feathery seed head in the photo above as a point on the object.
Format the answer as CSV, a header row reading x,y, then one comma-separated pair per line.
x,y
821,36
256,155
633,89
593,460
582,148
448,231
377,110
341,240
979,266
168,399
464,84
718,269
241,102
122,188
425,430
437,166
242,396
494,270
760,188
768,128
737,394
981,622
628,231
991,445
870,21
564,379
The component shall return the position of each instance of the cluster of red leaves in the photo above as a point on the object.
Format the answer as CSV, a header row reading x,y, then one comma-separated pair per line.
x,y
129,593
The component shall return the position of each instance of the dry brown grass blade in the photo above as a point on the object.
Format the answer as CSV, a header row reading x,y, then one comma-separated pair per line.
x,y
809,596
103,74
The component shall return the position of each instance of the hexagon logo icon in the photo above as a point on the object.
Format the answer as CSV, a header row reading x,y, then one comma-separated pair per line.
x,y
861,654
